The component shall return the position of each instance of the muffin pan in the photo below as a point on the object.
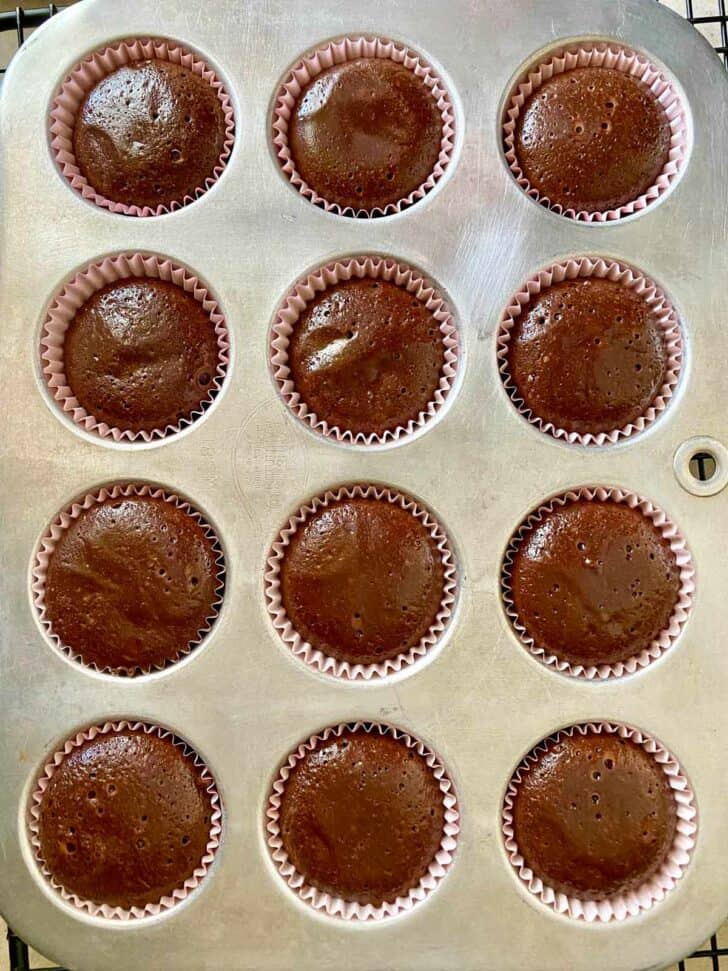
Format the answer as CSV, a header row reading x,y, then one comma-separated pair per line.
x,y
241,700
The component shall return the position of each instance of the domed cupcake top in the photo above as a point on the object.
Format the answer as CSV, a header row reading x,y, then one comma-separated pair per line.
x,y
362,817
592,582
592,139
125,818
141,354
593,814
129,581
149,133
366,355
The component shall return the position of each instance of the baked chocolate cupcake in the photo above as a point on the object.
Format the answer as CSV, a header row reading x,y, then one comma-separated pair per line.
x,y
593,815
592,583
587,355
592,139
141,354
363,127
126,818
367,356
362,580
361,816
131,582
150,133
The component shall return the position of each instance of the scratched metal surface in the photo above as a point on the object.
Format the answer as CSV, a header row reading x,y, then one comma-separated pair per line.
x,y
241,700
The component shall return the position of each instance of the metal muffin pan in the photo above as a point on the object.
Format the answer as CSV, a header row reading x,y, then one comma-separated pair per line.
x,y
240,699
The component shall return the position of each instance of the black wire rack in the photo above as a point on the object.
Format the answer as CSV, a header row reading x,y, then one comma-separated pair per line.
x,y
711,18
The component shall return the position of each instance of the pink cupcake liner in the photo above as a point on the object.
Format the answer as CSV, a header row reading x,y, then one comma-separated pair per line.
x,y
654,298
84,76
375,268
669,532
191,883
616,57
623,905
63,520
351,49
94,277
348,909
315,658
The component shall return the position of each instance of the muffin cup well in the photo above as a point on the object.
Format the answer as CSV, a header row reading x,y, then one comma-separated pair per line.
x,y
85,75
370,267
94,277
105,910
669,532
63,520
315,658
338,52
584,268
619,58
347,909
618,906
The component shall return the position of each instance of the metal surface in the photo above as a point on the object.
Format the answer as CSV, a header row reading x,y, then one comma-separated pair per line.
x,y
241,700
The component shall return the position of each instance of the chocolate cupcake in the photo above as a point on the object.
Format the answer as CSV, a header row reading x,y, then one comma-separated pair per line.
x,y
140,355
125,820
361,583
362,821
134,348
592,823
363,127
142,127
590,351
128,580
597,583
595,132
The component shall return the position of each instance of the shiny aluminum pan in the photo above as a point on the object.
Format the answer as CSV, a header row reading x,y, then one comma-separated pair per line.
x,y
241,700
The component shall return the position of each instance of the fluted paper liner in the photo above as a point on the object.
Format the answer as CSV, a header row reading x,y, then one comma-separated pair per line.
x,y
315,658
63,520
616,907
683,604
94,277
616,57
348,909
338,52
86,75
192,882
372,267
604,269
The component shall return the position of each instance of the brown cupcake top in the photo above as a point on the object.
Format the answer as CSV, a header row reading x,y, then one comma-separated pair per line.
x,y
125,819
594,816
366,356
149,134
587,355
362,580
362,817
130,583
141,354
594,582
592,139
365,133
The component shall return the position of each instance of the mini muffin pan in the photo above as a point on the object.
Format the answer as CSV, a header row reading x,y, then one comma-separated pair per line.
x,y
480,702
